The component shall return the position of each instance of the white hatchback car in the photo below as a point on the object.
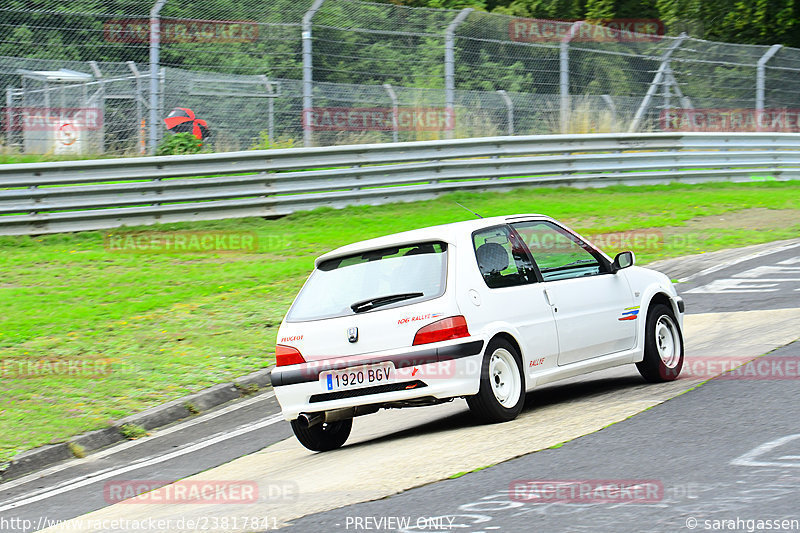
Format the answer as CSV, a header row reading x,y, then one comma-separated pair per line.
x,y
485,310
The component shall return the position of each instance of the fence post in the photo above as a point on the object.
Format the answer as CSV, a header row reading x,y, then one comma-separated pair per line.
x,y
509,109
308,77
393,97
564,74
139,114
686,102
613,108
663,68
760,75
9,114
449,66
270,110
155,51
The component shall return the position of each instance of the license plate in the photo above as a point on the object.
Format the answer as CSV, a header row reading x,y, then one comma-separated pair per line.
x,y
357,377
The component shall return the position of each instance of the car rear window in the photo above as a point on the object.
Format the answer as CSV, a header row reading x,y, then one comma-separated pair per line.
x,y
376,279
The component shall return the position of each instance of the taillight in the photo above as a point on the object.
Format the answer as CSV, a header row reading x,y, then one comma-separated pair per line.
x,y
453,327
286,355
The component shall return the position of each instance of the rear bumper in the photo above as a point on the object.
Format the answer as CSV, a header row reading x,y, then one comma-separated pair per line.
x,y
447,370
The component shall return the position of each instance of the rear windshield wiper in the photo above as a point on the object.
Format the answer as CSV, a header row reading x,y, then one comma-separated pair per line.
x,y
372,303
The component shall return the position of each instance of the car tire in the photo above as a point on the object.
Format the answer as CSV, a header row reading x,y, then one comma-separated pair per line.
x,y
325,436
663,346
502,391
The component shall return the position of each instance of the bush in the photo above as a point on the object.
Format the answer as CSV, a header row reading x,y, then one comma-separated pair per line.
x,y
180,144
264,143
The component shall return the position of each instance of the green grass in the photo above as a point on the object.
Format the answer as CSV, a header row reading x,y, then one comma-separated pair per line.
x,y
172,324
36,158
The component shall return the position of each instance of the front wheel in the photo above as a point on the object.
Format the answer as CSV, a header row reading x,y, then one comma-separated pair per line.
x,y
502,392
663,346
323,437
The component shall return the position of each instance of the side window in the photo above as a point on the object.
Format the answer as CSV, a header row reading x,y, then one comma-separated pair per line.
x,y
557,253
501,258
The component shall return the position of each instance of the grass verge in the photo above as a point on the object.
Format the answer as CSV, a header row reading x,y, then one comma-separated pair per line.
x,y
159,326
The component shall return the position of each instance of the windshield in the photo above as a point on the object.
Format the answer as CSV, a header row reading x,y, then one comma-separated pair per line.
x,y
377,279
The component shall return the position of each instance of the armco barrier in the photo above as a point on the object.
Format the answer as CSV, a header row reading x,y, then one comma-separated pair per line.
x,y
38,198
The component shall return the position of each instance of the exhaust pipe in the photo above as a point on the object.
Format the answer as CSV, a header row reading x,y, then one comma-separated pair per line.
x,y
307,420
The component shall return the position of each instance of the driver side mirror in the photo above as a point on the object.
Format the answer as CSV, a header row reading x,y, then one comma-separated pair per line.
x,y
622,260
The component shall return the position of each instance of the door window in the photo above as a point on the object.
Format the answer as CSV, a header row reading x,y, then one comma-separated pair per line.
x,y
502,259
558,253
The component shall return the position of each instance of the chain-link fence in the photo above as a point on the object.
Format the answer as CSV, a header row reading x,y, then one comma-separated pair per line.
x,y
96,76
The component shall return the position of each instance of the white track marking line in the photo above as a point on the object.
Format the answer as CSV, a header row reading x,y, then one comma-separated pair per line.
x,y
727,264
148,461
749,459
130,444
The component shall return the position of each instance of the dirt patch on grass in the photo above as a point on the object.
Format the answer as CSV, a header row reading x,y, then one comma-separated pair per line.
x,y
758,218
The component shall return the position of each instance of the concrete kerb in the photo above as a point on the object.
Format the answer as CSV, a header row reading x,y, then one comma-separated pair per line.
x,y
155,417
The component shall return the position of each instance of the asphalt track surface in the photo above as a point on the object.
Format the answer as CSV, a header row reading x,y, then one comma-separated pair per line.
x,y
726,451
688,444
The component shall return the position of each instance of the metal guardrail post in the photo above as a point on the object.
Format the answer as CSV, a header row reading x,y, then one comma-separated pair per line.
x,y
308,74
660,73
761,75
393,97
509,110
155,52
449,65
563,77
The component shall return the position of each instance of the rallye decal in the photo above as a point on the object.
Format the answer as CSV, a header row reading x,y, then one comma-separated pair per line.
x,y
417,318
630,313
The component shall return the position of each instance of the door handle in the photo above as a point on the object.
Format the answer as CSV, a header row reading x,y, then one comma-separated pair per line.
x,y
548,298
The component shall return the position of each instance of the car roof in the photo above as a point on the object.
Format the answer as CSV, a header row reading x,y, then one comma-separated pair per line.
x,y
445,232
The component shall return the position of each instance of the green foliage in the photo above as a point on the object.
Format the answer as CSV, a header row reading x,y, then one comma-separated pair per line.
x,y
132,431
246,390
180,144
264,142
76,450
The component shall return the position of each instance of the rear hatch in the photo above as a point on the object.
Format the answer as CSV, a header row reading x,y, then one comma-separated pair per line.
x,y
369,302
